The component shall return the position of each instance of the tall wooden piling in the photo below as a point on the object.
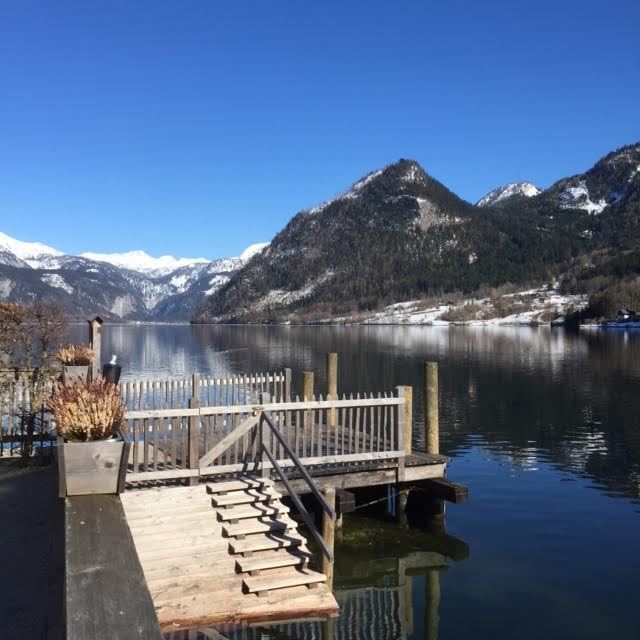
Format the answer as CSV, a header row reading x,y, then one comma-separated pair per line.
x,y
328,533
431,412
332,384
95,342
307,385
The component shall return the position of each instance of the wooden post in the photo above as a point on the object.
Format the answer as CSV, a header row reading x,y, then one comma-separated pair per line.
x,y
401,434
332,384
431,417
265,438
402,498
408,419
307,385
329,533
194,430
95,342
287,385
307,394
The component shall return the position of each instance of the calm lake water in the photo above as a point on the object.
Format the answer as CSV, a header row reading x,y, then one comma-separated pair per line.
x,y
544,428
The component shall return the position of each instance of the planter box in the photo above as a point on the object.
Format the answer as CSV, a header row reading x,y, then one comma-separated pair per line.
x,y
92,467
75,373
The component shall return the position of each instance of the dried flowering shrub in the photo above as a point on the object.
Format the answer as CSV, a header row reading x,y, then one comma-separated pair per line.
x,y
75,355
86,411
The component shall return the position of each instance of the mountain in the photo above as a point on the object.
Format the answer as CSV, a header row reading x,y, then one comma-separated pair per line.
x,y
508,192
127,286
399,234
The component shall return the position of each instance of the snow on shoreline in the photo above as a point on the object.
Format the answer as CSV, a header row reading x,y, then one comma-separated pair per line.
x,y
545,305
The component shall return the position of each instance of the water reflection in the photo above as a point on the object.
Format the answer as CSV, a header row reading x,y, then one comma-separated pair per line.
x,y
387,583
530,395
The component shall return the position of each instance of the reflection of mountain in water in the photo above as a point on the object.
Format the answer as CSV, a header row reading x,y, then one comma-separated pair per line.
x,y
529,395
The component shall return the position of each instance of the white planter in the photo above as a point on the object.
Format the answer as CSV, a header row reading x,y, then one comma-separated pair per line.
x,y
92,467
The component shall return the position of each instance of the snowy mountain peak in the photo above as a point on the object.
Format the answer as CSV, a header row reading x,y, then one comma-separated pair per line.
x,y
142,262
252,250
28,252
508,191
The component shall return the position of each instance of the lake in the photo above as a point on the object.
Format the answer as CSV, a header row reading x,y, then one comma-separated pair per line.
x,y
542,425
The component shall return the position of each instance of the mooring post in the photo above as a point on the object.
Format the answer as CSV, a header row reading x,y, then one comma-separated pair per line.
x,y
332,384
287,385
307,385
401,415
307,394
431,413
329,534
402,498
95,342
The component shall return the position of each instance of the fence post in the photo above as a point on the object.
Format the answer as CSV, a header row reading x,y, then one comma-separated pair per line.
x,y
431,413
194,429
287,385
332,384
265,437
401,434
95,342
328,534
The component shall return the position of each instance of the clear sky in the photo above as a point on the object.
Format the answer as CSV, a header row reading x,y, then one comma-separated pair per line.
x,y
196,128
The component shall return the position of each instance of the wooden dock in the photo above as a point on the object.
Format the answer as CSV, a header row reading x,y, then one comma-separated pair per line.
x,y
227,548
224,551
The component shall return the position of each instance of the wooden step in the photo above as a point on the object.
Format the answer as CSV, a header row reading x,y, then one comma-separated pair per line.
x,y
281,580
238,485
245,497
281,558
248,527
262,542
252,511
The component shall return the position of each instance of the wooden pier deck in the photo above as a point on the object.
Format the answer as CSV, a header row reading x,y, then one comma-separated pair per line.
x,y
241,560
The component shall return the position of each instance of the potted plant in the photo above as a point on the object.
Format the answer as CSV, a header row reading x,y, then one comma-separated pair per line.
x,y
76,360
92,451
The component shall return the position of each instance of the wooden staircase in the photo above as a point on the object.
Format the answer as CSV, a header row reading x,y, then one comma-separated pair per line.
x,y
229,551
270,552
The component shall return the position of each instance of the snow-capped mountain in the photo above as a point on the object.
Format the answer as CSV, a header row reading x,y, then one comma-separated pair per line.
x,y
143,262
508,192
132,285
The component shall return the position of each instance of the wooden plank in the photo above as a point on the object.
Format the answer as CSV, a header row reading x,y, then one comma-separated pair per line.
x,y
273,561
445,490
252,511
291,578
106,592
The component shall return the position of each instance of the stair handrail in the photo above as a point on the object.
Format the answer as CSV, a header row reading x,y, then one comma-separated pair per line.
x,y
291,491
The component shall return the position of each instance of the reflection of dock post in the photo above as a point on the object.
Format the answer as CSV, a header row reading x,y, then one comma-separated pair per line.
x,y
431,415
432,605
328,629
328,533
406,598
332,384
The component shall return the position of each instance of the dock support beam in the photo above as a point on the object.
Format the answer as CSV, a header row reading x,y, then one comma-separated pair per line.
x,y
431,414
328,533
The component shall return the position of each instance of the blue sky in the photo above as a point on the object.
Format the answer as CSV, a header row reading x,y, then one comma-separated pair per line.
x,y
196,128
